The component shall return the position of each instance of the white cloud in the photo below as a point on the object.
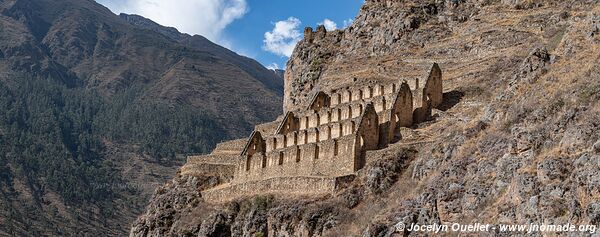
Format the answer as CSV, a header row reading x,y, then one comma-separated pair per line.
x,y
283,38
329,24
348,23
203,17
272,66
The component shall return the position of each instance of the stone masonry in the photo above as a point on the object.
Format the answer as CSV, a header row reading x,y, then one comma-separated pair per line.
x,y
311,150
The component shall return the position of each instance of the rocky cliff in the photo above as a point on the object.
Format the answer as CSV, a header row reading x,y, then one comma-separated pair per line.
x,y
516,141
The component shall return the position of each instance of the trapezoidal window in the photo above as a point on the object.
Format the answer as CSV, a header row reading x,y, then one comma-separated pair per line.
x,y
280,161
306,123
295,139
297,155
335,148
318,120
305,137
316,152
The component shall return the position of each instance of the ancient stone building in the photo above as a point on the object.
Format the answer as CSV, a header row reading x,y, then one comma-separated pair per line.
x,y
312,149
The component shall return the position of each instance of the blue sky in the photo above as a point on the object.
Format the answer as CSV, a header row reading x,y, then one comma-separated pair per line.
x,y
260,29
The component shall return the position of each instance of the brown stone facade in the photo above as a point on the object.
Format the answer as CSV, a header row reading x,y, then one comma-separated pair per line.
x,y
328,138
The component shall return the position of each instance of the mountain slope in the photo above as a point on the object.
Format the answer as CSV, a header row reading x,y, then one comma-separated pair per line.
x,y
96,112
200,43
515,142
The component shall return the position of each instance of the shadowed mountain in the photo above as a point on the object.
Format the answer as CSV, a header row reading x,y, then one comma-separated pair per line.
x,y
97,110
200,43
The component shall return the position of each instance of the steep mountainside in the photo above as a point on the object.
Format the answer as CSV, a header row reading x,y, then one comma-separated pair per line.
x,y
516,141
279,73
198,42
96,110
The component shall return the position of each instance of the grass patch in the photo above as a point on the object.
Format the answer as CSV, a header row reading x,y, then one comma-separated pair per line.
x,y
589,92
556,39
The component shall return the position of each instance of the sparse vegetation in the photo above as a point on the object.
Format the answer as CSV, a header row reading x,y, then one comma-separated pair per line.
x,y
589,92
262,202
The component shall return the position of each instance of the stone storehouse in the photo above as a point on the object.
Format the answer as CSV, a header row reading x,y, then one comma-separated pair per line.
x,y
312,150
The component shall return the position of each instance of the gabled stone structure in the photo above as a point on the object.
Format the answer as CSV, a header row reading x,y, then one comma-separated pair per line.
x,y
430,96
433,87
328,139
319,101
290,123
310,151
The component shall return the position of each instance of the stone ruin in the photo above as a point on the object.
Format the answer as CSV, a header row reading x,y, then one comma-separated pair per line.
x,y
316,149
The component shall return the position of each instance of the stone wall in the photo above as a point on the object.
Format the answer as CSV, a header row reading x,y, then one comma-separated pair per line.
x,y
215,158
287,186
222,162
333,157
367,136
233,147
208,169
429,97
314,134
433,87
403,107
